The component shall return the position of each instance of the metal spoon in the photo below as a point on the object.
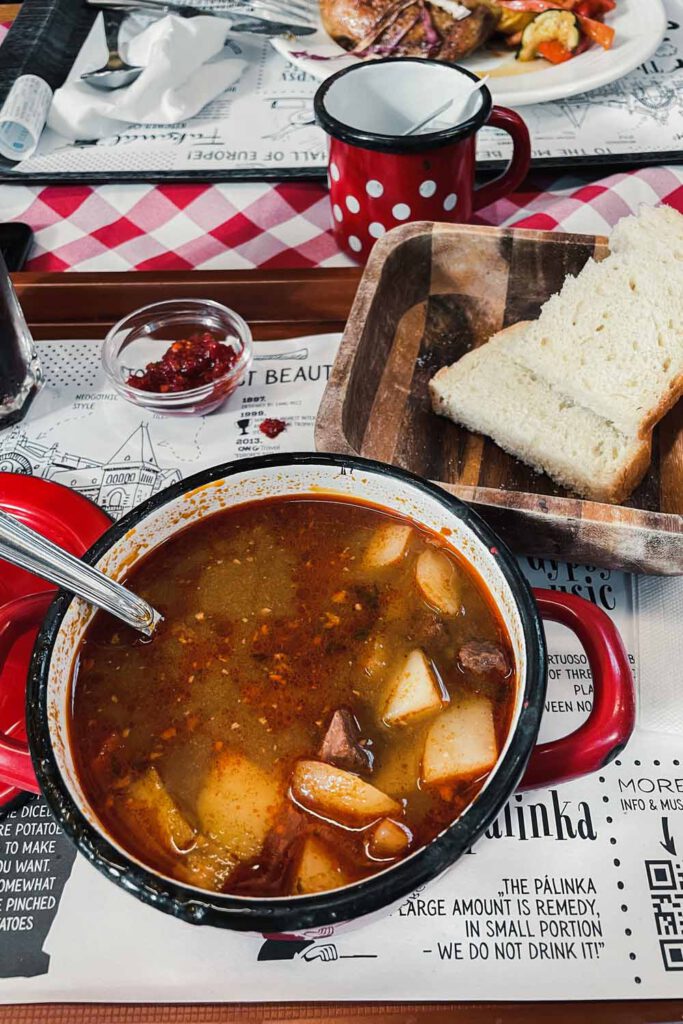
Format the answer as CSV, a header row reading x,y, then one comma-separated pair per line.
x,y
414,129
24,547
115,74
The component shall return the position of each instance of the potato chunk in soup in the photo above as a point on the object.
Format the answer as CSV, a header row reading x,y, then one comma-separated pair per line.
x,y
238,804
318,868
461,743
328,690
415,691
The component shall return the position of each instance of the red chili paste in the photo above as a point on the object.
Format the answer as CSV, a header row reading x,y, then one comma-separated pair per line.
x,y
188,363
272,428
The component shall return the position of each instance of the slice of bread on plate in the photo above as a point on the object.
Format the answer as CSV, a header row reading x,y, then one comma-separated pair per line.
x,y
487,392
577,392
656,231
612,339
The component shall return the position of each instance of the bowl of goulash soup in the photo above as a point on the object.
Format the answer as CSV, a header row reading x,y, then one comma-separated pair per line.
x,y
344,691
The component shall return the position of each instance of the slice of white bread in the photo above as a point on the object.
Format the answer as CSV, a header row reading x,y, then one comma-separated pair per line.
x,y
655,232
612,338
577,392
488,392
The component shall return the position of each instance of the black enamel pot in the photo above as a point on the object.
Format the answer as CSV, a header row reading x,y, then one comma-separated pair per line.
x,y
148,525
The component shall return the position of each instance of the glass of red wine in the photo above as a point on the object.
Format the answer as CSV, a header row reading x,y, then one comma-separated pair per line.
x,y
20,374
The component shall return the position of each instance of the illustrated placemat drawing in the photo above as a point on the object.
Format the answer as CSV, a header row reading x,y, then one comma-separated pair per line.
x,y
575,892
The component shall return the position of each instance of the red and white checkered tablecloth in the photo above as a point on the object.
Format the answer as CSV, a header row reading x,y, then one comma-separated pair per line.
x,y
243,226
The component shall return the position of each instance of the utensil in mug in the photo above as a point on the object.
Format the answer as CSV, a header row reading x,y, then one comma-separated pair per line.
x,y
383,172
20,374
115,73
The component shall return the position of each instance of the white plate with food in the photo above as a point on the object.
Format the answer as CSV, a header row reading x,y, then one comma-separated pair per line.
x,y
532,50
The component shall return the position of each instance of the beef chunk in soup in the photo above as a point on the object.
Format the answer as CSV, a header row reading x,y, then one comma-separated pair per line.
x,y
341,744
226,753
481,657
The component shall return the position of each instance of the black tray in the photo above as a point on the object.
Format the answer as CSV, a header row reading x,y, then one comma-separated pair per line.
x,y
47,35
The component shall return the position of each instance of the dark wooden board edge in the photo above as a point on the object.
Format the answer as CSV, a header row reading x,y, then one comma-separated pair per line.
x,y
275,303
618,537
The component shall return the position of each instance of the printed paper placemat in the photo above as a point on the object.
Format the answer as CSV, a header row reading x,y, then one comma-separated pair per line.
x,y
262,126
576,892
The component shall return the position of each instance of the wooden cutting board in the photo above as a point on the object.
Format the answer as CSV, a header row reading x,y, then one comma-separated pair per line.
x,y
430,293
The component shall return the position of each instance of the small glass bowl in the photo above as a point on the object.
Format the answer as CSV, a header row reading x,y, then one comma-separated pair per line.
x,y
144,336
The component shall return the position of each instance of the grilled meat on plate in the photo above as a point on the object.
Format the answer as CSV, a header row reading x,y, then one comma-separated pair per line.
x,y
401,28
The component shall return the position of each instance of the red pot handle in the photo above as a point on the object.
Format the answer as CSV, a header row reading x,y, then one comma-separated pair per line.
x,y
16,618
605,733
518,168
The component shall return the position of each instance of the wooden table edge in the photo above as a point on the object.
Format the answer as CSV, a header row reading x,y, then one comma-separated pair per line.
x,y
607,1012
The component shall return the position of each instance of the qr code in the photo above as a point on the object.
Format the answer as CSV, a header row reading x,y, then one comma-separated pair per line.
x,y
665,879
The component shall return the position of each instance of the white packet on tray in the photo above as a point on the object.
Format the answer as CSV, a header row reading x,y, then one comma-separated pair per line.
x,y
659,618
23,117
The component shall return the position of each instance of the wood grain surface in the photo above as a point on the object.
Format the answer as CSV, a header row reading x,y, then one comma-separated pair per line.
x,y
631,1012
276,304
430,293
8,13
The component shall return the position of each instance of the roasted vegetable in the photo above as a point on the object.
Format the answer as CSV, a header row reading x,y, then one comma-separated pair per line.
x,y
598,33
558,27
511,22
554,52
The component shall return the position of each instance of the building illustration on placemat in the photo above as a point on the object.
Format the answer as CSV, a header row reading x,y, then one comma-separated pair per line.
x,y
129,476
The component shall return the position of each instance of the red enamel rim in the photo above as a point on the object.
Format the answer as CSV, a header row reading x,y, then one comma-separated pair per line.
x,y
68,519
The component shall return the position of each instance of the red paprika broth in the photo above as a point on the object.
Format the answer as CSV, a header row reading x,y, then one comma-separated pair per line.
x,y
329,689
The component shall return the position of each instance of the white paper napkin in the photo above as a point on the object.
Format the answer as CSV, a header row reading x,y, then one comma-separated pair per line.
x,y
183,71
659,610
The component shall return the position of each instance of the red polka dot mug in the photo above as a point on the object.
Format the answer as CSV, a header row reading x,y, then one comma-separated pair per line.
x,y
402,146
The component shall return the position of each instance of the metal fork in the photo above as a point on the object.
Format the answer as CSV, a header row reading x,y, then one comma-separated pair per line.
x,y
303,9
239,14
